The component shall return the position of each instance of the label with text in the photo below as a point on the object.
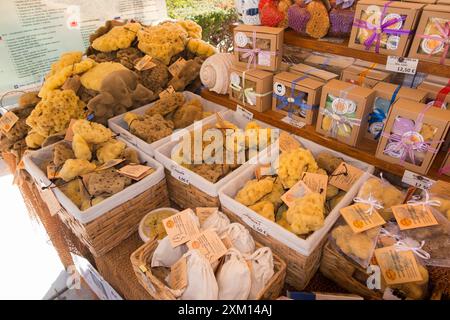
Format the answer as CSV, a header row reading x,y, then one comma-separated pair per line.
x,y
360,218
411,217
180,227
209,244
345,176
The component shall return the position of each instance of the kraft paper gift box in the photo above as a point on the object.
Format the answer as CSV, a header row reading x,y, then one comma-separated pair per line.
x,y
343,112
297,96
364,76
258,47
251,88
385,95
432,39
421,1
446,2
384,26
329,62
314,73
437,93
413,134
445,167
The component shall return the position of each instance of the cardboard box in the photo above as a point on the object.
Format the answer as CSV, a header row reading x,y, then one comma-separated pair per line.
x,y
390,44
431,49
365,77
269,40
434,119
383,96
447,2
345,101
282,88
421,1
445,167
368,64
329,62
433,90
259,98
436,79
314,73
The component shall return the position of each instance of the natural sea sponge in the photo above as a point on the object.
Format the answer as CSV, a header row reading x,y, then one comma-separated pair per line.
x,y
107,181
62,153
34,140
328,162
53,113
298,17
200,48
292,164
253,191
110,150
307,214
188,113
193,29
162,42
156,78
275,195
91,132
188,73
356,244
319,23
131,155
66,59
265,209
73,168
72,190
166,104
87,203
93,78
149,128
118,37
81,148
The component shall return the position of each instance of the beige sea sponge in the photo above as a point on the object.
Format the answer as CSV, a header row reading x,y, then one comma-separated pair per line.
x,y
357,244
110,150
92,133
73,168
93,78
293,163
167,104
107,181
56,80
254,190
275,195
87,203
193,29
119,37
61,153
72,190
307,214
188,113
265,209
130,155
149,128
66,59
283,222
81,148
200,48
34,140
162,42
53,113
328,162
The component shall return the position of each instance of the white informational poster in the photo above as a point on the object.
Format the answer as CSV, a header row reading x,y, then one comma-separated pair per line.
x,y
34,33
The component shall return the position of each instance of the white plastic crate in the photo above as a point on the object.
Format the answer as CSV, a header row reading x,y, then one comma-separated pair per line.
x,y
33,160
304,246
118,125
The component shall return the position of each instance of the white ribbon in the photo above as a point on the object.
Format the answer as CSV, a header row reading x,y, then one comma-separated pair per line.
x,y
371,201
386,233
411,244
416,201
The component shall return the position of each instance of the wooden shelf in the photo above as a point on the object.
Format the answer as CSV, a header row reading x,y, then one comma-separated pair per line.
x,y
293,38
364,152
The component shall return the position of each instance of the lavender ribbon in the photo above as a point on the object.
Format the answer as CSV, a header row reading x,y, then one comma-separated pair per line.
x,y
345,3
251,54
378,30
405,138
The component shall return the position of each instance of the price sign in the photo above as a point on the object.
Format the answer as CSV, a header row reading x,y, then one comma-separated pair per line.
x,y
402,65
244,113
180,174
254,224
131,139
416,180
292,122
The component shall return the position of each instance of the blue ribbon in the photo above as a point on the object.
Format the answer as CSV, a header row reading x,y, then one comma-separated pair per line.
x,y
252,12
379,115
296,101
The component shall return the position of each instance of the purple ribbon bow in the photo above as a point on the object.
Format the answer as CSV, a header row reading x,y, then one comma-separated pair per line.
x,y
345,3
406,139
251,54
380,29
444,37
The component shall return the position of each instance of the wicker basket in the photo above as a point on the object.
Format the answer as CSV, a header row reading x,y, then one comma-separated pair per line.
x,y
300,268
10,160
107,231
153,283
188,196
346,274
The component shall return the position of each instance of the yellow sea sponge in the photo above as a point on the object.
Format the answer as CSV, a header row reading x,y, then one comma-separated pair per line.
x,y
327,121
72,191
119,37
53,113
110,150
81,148
92,79
307,214
275,195
73,168
283,222
428,131
92,132
87,203
265,209
292,164
162,42
201,48
66,59
56,80
253,191
192,28
34,140
360,245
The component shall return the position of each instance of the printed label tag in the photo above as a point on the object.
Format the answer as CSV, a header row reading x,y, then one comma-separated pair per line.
x,y
254,224
180,227
178,274
397,266
241,39
209,244
109,164
136,171
176,67
359,218
7,121
416,180
345,176
401,64
166,92
410,217
244,113
316,183
145,63
264,170
180,174
54,207
299,190
293,122
288,142
204,213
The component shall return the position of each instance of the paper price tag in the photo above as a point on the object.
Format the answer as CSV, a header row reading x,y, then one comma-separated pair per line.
x,y
402,65
293,122
316,183
416,180
299,190
345,176
410,217
244,113
254,224
204,213
176,67
209,244
288,142
359,219
264,170
109,164
178,274
166,92
145,63
136,171
180,174
397,266
54,207
7,121
180,227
